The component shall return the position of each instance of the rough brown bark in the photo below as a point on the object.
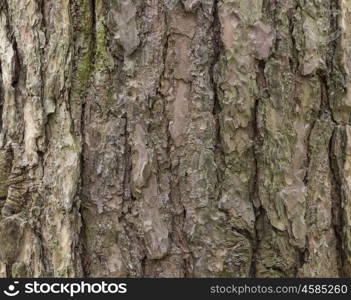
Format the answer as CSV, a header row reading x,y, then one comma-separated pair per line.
x,y
175,138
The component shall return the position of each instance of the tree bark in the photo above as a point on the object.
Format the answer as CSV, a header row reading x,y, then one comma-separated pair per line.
x,y
175,138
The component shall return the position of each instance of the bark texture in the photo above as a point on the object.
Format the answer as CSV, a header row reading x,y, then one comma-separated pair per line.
x,y
175,138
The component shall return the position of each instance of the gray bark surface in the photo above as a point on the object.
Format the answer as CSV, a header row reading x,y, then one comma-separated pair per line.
x,y
175,138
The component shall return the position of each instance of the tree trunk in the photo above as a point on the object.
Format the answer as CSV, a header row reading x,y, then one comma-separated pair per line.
x,y
175,138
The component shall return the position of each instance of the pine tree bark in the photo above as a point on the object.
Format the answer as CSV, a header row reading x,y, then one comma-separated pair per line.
x,y
175,138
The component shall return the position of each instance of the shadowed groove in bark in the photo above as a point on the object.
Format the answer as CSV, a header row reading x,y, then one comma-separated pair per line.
x,y
337,214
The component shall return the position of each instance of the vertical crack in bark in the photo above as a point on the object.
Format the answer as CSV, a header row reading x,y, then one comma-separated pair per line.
x,y
2,100
83,64
336,181
218,52
94,23
294,60
337,207
255,199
